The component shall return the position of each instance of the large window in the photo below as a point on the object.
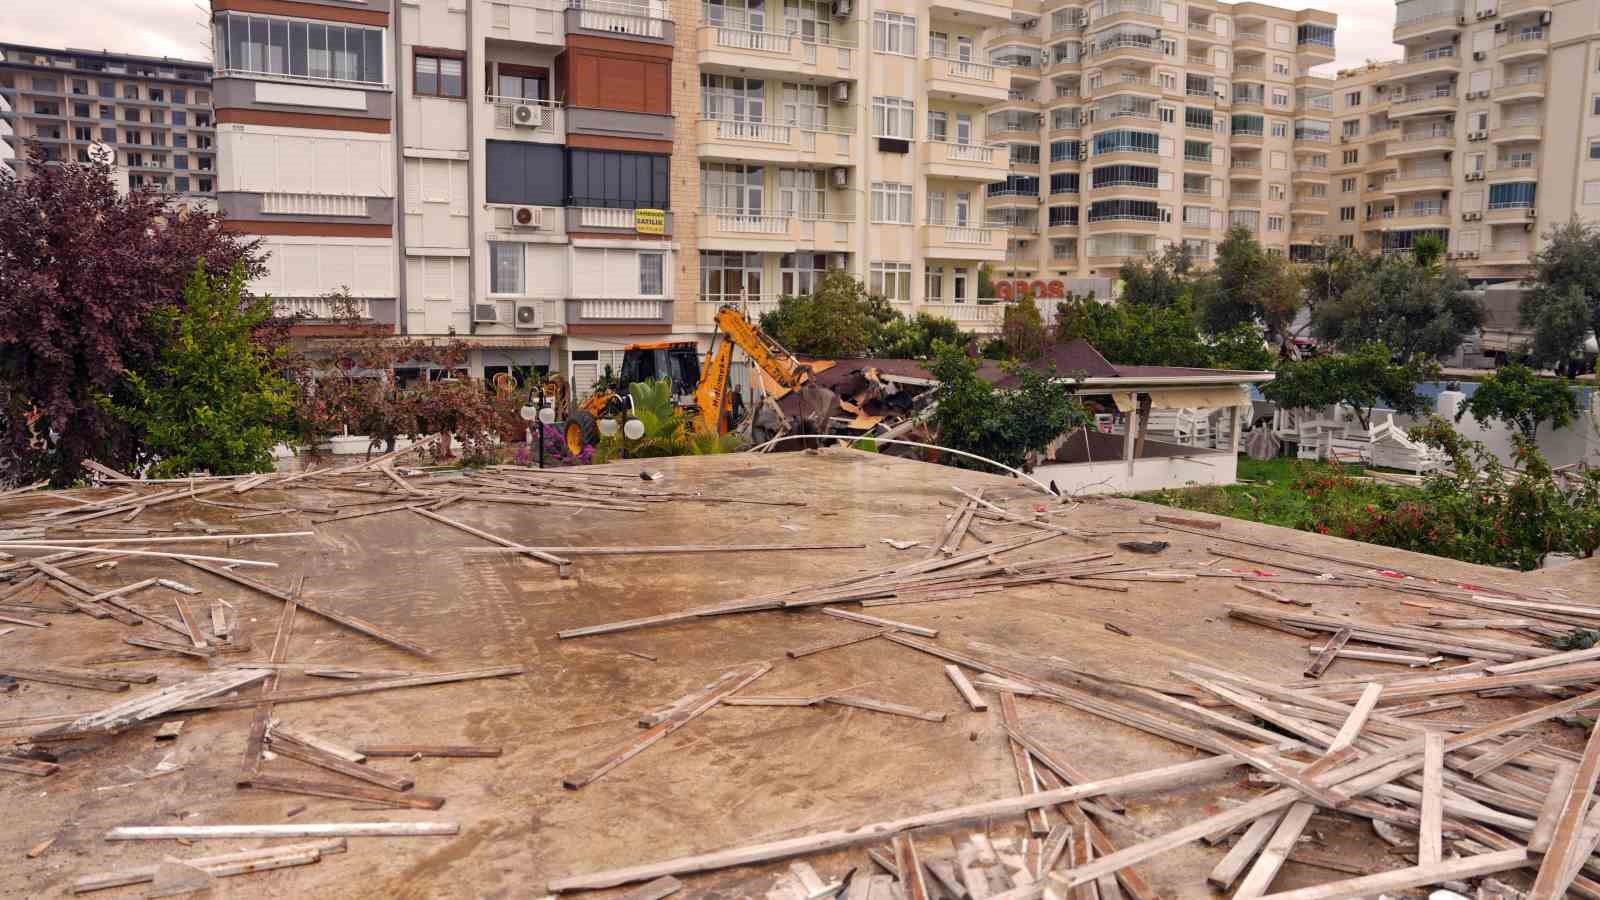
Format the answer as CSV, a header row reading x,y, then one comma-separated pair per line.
x,y
322,51
729,275
891,281
894,33
506,267
1197,151
732,188
1517,194
733,97
435,75
1246,124
893,117
1064,151
1127,176
617,179
1125,140
799,274
802,192
1131,210
891,202
652,274
1064,182
525,173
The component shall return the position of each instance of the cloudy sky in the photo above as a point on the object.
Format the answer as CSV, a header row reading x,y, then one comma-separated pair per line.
x,y
177,27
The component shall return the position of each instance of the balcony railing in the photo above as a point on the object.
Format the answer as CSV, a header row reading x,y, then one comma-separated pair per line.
x,y
635,19
964,234
758,131
739,38
1425,97
958,152
545,112
322,307
740,222
1250,36
1520,37
967,69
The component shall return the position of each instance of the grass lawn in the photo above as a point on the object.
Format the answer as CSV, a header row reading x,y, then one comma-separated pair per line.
x,y
1289,492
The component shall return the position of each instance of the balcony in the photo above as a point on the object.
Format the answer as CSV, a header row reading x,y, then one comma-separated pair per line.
x,y
1434,102
780,232
1308,204
1309,140
605,220
1245,199
1522,87
1314,50
982,244
1126,84
1433,62
965,80
1505,256
1250,40
983,318
1439,141
1125,223
1435,215
368,311
984,12
734,48
1510,212
1308,174
1513,7
1139,12
1124,49
1425,180
1522,129
754,306
619,18
526,21
604,311
740,140
1522,45
1244,170
543,122
964,162
1247,138
1438,24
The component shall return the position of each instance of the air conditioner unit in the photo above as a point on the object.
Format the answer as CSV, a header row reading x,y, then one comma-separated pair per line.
x,y
485,312
1488,13
530,315
1533,213
840,176
1479,55
1544,19
1472,253
527,115
1461,20
1344,138
841,9
1499,26
841,92
527,216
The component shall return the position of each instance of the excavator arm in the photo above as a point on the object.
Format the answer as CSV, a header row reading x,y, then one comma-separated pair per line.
x,y
783,371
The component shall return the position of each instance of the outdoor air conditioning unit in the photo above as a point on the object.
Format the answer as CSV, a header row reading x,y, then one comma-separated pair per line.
x,y
1499,26
841,92
530,315
1533,213
485,312
1472,253
526,115
841,9
1461,20
840,177
527,216
1544,19
1479,55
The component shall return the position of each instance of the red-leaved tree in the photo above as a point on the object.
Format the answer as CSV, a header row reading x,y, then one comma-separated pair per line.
x,y
81,271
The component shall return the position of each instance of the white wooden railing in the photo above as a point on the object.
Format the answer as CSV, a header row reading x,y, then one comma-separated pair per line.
x,y
620,309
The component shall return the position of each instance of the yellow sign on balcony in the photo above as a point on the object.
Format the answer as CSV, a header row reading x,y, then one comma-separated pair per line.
x,y
650,221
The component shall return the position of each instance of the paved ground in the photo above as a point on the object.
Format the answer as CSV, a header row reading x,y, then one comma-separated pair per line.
x,y
733,776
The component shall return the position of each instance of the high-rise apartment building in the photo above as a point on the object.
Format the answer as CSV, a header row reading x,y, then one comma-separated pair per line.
x,y
155,113
1485,133
1133,125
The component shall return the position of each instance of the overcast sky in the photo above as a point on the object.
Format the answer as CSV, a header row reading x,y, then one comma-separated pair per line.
x,y
177,27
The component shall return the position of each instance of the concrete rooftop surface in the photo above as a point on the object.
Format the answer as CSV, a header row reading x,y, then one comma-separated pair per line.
x,y
736,774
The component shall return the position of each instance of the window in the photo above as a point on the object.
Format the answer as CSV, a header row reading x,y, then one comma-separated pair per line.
x,y
1064,151
182,184
802,192
80,110
935,208
1517,194
1197,117
158,116
938,126
960,280
729,275
1347,213
800,273
1351,157
891,202
1064,183
108,112
607,178
1347,185
81,133
506,262
1126,140
893,117
1134,210
434,75
1169,47
652,274
1127,175
1280,66
525,173
1353,98
132,137
1596,110
811,20
732,187
203,185
318,50
805,105
179,95
1168,81
1197,151
1280,98
180,140
933,283
736,99
1280,128
1063,215
894,33
1168,114
180,162
890,280
1594,149
109,135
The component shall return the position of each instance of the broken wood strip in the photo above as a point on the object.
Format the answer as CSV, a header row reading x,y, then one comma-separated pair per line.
x,y
344,753
1500,755
13,620
1284,774
881,623
655,890
1329,650
1243,851
771,701
1430,840
365,687
27,766
660,550
1563,855
154,554
93,543
354,623
1206,524
1399,879
1403,659
730,683
563,565
93,682
882,706
1545,662
913,885
965,688
142,874
170,647
1068,773
342,792
308,830
77,597
835,643
1554,799
261,721
657,716
190,621
428,750
361,513
283,745
148,706
1021,762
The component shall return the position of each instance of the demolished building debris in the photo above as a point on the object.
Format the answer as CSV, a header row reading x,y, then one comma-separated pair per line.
x,y
1043,713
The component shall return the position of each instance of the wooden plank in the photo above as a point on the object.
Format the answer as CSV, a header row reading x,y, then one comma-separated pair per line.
x,y
1329,651
344,753
284,745
834,643
261,721
913,885
655,890
965,688
219,619
1385,656
1244,850
153,554
1430,840
170,647
1400,879
883,706
1021,762
55,676
1556,871
563,565
345,690
342,791
308,830
1276,852
1545,662
1554,799
190,621
705,700
27,766
660,550
143,874
881,623
1206,524
1501,755
92,543
428,750
169,731
13,620
148,706
354,623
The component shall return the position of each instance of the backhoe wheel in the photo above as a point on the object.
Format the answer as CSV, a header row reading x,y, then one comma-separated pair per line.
x,y
582,431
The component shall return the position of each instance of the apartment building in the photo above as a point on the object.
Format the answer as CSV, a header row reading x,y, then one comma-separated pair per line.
x,y
1133,125
1485,133
154,113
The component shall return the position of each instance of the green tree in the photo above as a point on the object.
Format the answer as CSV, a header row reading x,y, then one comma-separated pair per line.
x,y
1362,380
1250,286
1404,305
1140,335
1003,425
666,431
214,400
1159,281
1522,400
914,338
1562,301
1427,250
835,321
1022,329
1337,269
985,282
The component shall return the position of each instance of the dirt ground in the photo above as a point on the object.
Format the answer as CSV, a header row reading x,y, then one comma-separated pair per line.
x,y
733,776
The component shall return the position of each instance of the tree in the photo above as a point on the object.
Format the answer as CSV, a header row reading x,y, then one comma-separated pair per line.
x,y
1427,250
1022,329
1362,380
1002,425
82,273
1522,400
1337,270
1161,281
1562,300
835,321
214,399
985,282
1139,335
1404,305
914,338
1250,286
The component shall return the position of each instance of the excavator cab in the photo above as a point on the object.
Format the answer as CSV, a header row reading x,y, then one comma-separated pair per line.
x,y
679,361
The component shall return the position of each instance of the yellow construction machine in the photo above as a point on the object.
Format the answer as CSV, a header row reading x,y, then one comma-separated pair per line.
x,y
702,392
